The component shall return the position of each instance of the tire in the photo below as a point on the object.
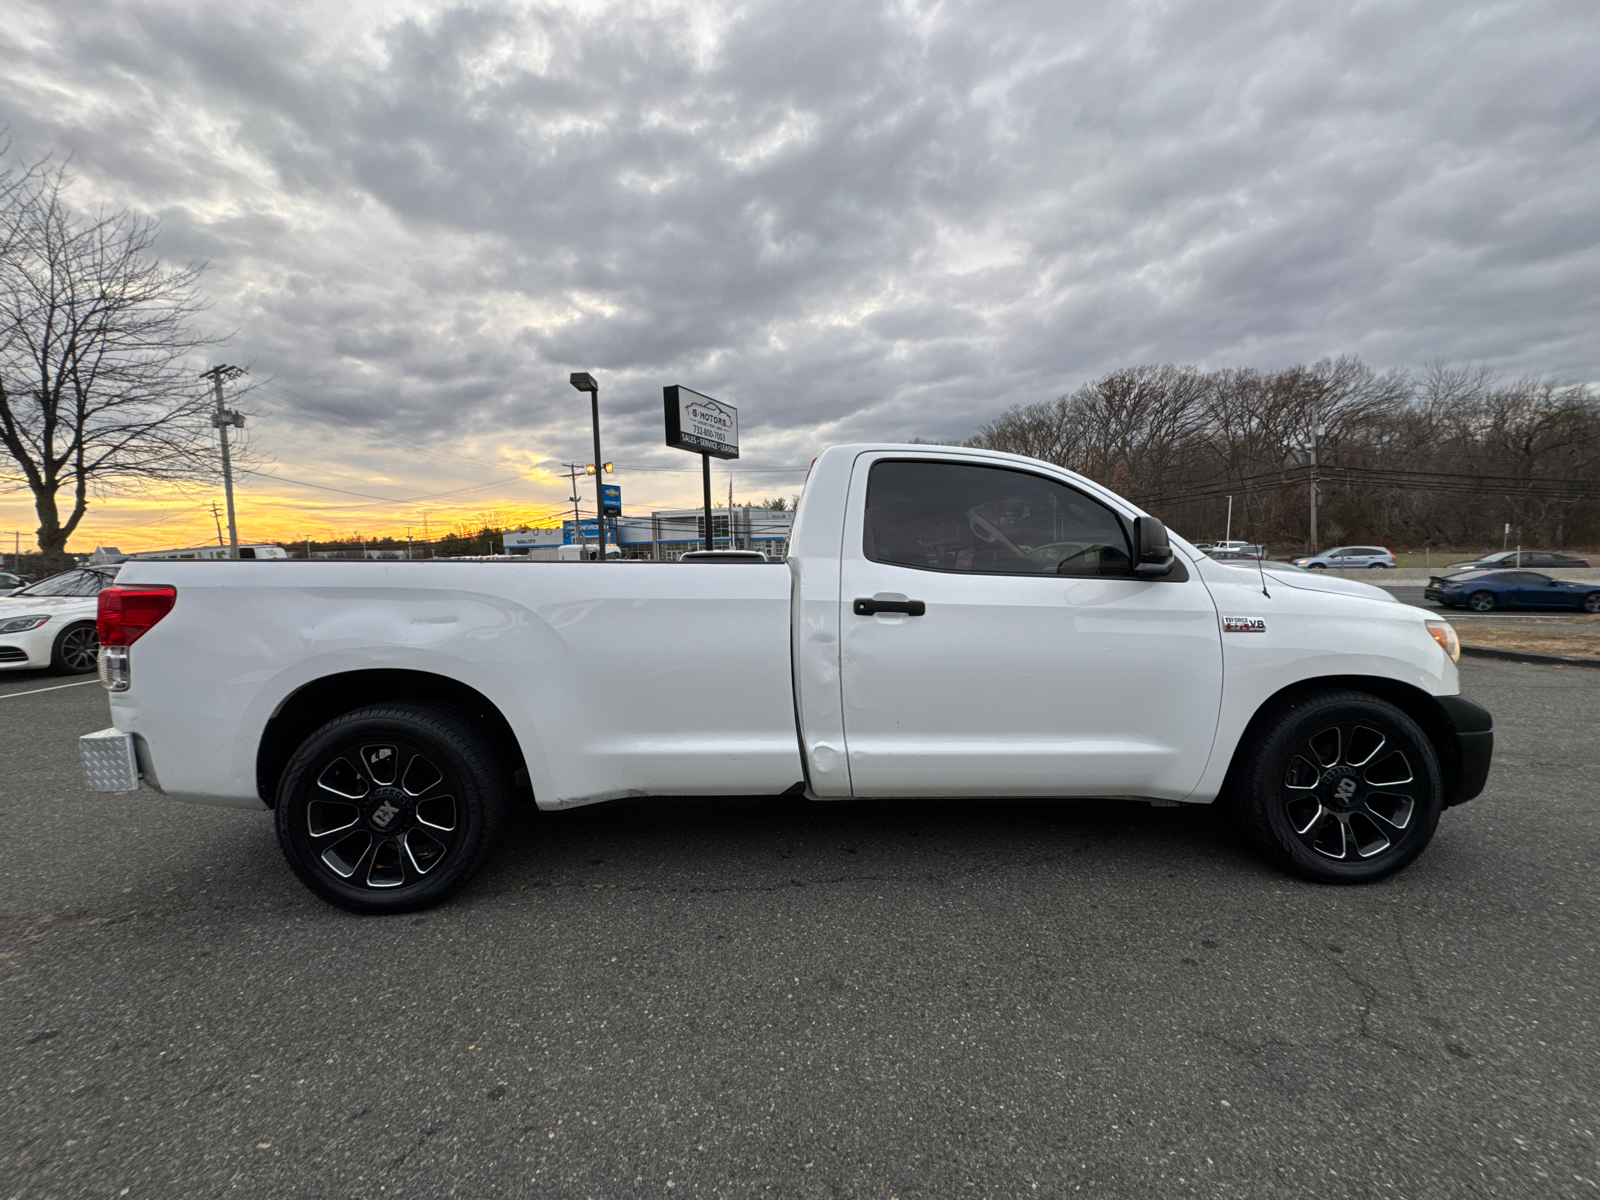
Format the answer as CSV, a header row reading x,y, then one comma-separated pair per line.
x,y
1481,602
396,831
76,650
1293,801
1316,566
1377,566
1591,603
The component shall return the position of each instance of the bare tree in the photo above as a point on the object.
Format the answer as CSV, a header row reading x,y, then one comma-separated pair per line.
x,y
1450,455
97,392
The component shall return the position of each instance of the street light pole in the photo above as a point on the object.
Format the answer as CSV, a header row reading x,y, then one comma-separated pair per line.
x,y
586,382
221,420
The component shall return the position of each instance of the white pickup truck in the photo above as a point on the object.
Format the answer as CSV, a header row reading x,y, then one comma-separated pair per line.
x,y
948,623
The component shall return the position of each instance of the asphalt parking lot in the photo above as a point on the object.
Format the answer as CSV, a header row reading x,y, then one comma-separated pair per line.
x,y
759,997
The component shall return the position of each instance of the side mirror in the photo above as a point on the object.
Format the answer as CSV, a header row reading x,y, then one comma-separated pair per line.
x,y
1152,550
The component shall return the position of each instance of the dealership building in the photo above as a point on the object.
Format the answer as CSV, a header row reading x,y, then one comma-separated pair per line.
x,y
665,535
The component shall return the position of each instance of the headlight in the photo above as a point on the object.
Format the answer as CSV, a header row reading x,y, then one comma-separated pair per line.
x,y
1445,634
22,624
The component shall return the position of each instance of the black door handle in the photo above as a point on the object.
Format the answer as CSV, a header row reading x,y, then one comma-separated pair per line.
x,y
865,607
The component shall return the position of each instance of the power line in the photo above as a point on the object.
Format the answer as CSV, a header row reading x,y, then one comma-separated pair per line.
x,y
1386,477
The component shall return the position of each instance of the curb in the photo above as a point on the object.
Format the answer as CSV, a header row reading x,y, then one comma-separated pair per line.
x,y
1528,656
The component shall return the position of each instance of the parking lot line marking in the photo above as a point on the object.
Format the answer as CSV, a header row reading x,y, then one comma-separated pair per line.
x,y
55,688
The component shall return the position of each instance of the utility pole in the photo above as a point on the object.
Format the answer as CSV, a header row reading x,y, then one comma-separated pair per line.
x,y
221,420
577,522
1227,533
1316,431
217,517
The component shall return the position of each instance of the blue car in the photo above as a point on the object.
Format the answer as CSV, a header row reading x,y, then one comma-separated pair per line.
x,y
1485,591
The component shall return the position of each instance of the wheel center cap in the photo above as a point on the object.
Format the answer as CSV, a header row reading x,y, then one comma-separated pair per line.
x,y
1340,785
384,809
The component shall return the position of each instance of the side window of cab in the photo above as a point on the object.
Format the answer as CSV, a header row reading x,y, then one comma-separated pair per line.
x,y
947,516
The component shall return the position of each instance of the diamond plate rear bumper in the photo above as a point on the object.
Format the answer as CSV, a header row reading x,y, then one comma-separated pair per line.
x,y
109,761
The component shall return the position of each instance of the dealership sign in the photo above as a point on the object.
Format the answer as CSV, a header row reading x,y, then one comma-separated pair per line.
x,y
528,539
700,424
582,533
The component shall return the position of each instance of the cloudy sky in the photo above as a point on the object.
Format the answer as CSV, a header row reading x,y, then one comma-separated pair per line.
x,y
852,220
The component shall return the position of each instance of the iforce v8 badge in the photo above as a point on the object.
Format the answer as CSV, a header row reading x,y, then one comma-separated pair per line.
x,y
1244,625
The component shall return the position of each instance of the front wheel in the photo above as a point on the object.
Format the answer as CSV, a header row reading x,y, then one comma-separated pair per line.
x,y
76,650
1317,567
1481,602
391,808
1338,786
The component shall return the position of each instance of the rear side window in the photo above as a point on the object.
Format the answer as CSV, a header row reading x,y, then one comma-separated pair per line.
x,y
988,520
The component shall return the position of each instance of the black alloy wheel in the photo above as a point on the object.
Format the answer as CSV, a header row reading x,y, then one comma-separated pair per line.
x,y
1481,602
1591,603
76,650
391,808
1337,786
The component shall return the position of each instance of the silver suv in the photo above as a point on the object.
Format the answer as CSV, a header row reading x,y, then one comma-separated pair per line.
x,y
1346,557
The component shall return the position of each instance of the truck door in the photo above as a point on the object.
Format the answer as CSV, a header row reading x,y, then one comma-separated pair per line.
x,y
993,641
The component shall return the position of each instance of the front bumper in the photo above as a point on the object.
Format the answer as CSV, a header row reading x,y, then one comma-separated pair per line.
x,y
28,651
1471,730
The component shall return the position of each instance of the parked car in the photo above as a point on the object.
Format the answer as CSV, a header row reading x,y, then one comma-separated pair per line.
x,y
52,623
10,583
1484,591
949,622
1347,557
1242,550
1521,558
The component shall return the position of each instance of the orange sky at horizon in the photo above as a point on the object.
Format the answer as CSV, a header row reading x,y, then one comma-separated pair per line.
x,y
303,502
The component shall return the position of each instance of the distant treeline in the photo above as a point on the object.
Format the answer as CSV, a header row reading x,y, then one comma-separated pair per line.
x,y
1447,455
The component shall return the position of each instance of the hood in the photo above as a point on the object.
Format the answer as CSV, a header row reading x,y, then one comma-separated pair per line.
x,y
1309,581
1315,581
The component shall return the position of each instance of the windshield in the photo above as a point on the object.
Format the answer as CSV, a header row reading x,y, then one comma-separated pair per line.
x,y
70,583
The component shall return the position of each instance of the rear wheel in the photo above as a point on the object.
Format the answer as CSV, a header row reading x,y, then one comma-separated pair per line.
x,y
1591,603
1338,786
1481,602
391,808
76,649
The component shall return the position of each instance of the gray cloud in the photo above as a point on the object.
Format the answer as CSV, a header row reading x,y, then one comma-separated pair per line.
x,y
853,221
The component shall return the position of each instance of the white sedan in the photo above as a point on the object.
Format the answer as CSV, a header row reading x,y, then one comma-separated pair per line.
x,y
51,623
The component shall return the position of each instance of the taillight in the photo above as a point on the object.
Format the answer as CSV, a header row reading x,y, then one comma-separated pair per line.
x,y
127,611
